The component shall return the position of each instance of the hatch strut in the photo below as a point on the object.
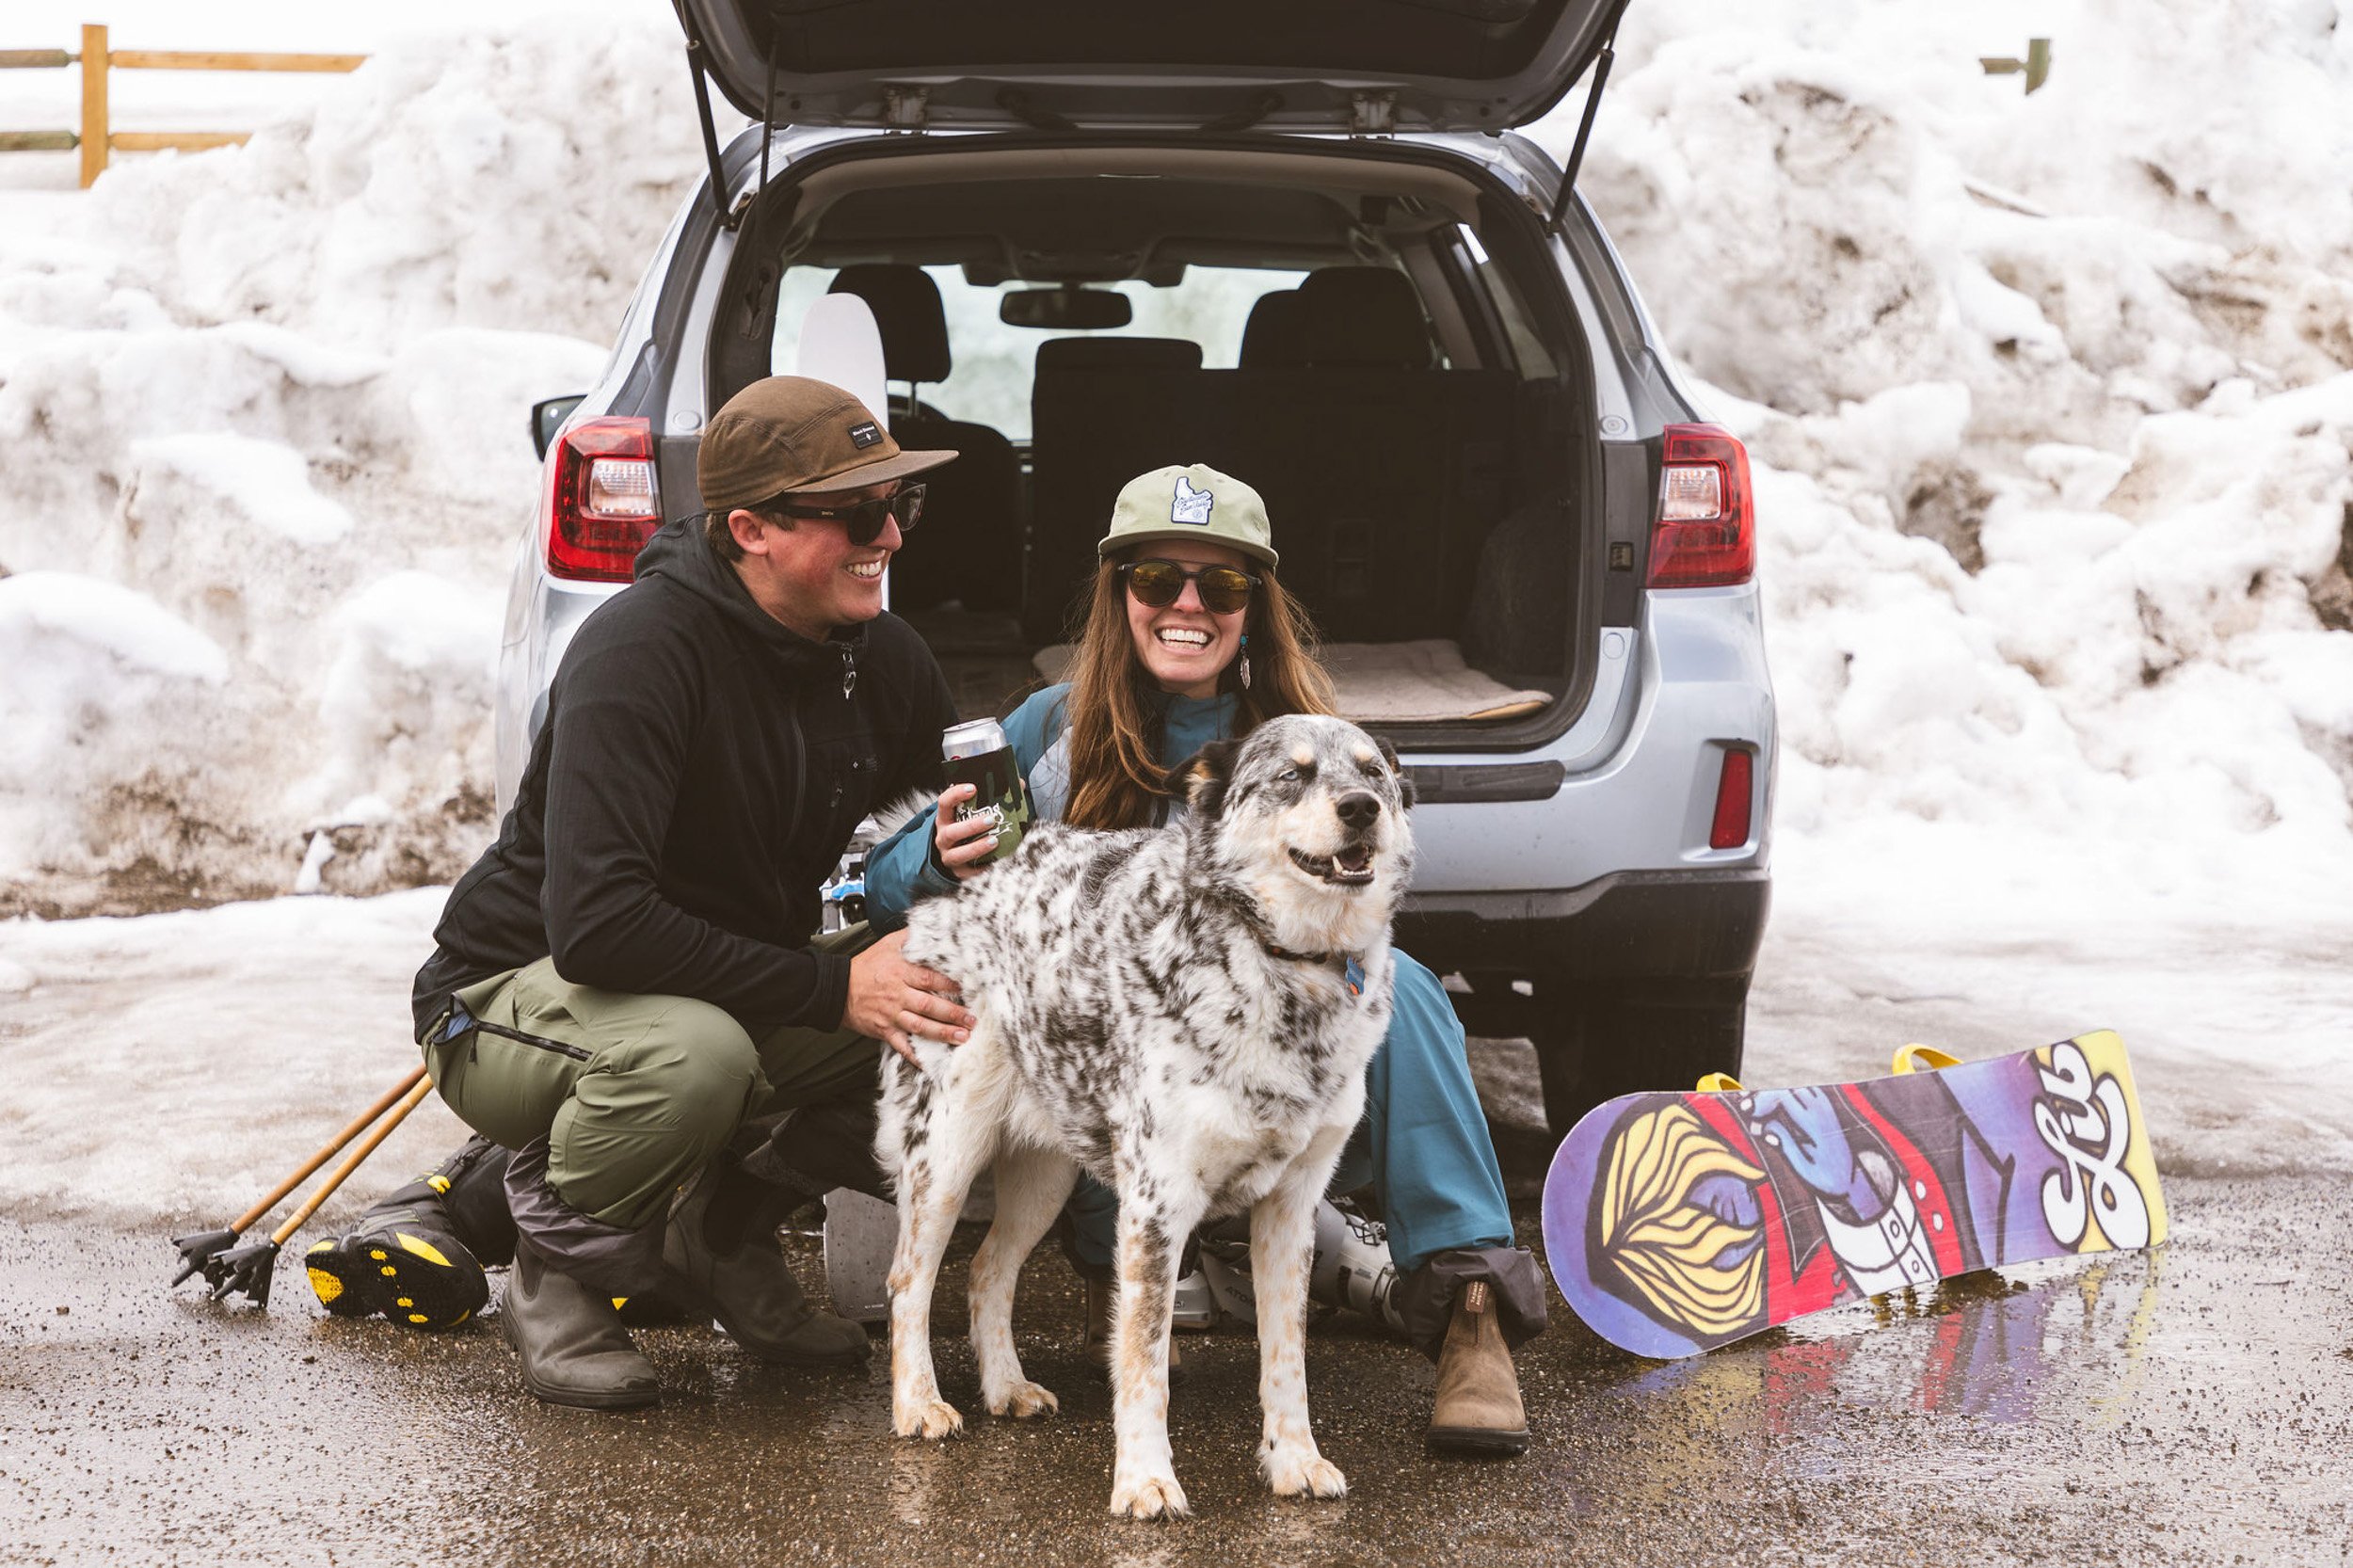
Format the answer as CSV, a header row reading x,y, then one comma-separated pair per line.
x,y
767,121
1585,126
695,53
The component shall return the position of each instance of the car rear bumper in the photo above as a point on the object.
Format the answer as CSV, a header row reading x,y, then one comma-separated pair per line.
x,y
1701,924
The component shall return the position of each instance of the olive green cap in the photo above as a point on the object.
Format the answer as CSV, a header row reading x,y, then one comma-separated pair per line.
x,y
1192,502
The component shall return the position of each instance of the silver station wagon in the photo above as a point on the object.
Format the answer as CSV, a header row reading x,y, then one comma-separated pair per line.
x,y
1303,243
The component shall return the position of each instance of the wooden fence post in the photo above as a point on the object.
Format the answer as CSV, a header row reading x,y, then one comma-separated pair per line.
x,y
93,103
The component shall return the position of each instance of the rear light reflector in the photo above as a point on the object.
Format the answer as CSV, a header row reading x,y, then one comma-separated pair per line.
x,y
603,502
1705,533
619,488
1734,786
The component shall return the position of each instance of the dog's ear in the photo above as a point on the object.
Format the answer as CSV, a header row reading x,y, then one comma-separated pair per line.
x,y
1202,777
1404,779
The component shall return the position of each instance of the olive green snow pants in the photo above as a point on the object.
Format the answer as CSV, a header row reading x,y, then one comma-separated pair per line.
x,y
633,1093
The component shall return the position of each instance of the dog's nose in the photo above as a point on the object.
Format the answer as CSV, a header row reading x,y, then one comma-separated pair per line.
x,y
1358,808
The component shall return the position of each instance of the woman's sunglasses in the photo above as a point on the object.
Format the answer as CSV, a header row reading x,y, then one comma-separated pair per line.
x,y
863,520
1157,584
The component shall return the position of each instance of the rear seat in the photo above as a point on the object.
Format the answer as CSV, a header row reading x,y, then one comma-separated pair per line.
x,y
1108,409
1271,338
1382,474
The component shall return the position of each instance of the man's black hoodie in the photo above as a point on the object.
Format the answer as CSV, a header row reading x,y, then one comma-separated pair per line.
x,y
700,770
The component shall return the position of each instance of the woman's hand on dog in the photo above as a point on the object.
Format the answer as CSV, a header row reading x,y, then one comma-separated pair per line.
x,y
895,1000
962,845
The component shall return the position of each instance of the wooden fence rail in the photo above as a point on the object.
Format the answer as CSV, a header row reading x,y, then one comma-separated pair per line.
x,y
97,60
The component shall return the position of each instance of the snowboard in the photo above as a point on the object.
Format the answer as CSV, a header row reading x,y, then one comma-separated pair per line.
x,y
1676,1223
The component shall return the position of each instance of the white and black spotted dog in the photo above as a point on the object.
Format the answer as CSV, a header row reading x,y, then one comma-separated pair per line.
x,y
1186,1013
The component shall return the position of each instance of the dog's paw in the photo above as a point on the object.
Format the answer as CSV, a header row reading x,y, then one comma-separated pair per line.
x,y
1022,1400
1301,1473
1149,1497
930,1420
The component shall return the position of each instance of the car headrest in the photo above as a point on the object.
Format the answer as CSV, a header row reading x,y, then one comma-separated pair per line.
x,y
1057,354
1274,337
906,303
1363,317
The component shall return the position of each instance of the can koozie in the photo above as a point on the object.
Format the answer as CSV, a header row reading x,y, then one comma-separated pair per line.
x,y
978,754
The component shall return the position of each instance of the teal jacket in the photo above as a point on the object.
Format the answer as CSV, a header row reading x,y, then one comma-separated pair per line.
x,y
900,870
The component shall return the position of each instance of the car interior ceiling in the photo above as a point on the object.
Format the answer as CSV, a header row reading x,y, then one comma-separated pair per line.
x,y
1411,454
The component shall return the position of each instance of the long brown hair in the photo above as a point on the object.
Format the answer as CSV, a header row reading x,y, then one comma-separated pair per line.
x,y
1114,705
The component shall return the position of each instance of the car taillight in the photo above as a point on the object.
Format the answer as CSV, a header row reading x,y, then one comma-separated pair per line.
x,y
602,502
1705,533
1734,784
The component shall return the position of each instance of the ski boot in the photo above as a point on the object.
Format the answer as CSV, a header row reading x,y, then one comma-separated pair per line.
x,y
417,1254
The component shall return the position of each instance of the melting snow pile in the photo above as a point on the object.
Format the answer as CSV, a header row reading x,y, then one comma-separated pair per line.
x,y
2048,397
2050,400
265,416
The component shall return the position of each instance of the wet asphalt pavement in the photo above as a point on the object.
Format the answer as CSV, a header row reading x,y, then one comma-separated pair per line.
x,y
2194,1405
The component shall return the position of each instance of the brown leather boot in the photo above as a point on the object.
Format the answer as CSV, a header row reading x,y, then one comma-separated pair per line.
x,y
1098,1339
1479,1410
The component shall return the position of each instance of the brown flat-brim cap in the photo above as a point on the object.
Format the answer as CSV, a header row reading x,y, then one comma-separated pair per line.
x,y
789,435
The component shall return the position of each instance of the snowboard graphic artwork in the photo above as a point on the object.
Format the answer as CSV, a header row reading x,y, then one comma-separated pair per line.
x,y
1676,1223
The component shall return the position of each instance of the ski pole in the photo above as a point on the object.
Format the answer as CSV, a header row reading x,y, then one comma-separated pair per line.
x,y
249,1268
198,1252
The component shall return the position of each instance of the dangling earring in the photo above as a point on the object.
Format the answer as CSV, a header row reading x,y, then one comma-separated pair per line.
x,y
1242,669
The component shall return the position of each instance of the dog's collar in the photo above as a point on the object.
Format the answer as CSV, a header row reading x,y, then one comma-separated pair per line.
x,y
1352,973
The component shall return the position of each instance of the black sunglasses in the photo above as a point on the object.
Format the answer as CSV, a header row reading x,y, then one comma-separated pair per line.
x,y
863,520
1156,585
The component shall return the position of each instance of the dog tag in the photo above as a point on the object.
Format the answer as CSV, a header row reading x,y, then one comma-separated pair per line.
x,y
1354,978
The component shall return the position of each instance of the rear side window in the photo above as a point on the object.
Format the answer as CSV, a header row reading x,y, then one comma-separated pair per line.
x,y
993,363
1527,349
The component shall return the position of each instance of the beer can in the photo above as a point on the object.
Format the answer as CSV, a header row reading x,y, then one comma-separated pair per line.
x,y
978,754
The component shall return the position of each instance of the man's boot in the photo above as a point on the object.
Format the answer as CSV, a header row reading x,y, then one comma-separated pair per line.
x,y
573,1346
721,1259
1479,1410
416,1255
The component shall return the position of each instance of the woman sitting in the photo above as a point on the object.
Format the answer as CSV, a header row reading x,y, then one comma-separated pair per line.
x,y
1190,638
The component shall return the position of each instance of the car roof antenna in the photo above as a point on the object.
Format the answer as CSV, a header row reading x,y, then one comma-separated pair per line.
x,y
1585,126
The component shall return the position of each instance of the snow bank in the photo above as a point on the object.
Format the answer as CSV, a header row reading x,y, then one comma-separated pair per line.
x,y
2050,404
271,402
2050,400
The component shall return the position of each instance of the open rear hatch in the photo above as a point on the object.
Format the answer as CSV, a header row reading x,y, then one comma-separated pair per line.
x,y
1293,65
1367,332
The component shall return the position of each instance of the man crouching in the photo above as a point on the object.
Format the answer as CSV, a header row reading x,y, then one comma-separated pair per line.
x,y
627,973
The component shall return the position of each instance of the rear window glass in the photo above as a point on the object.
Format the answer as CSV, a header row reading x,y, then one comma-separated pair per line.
x,y
993,363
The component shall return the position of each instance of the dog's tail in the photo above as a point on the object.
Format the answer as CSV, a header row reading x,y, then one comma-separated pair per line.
x,y
893,815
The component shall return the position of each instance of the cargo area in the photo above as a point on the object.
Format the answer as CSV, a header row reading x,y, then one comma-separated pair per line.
x,y
1344,335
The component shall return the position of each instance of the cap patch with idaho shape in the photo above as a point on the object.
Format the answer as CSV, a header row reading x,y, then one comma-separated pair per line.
x,y
1191,505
